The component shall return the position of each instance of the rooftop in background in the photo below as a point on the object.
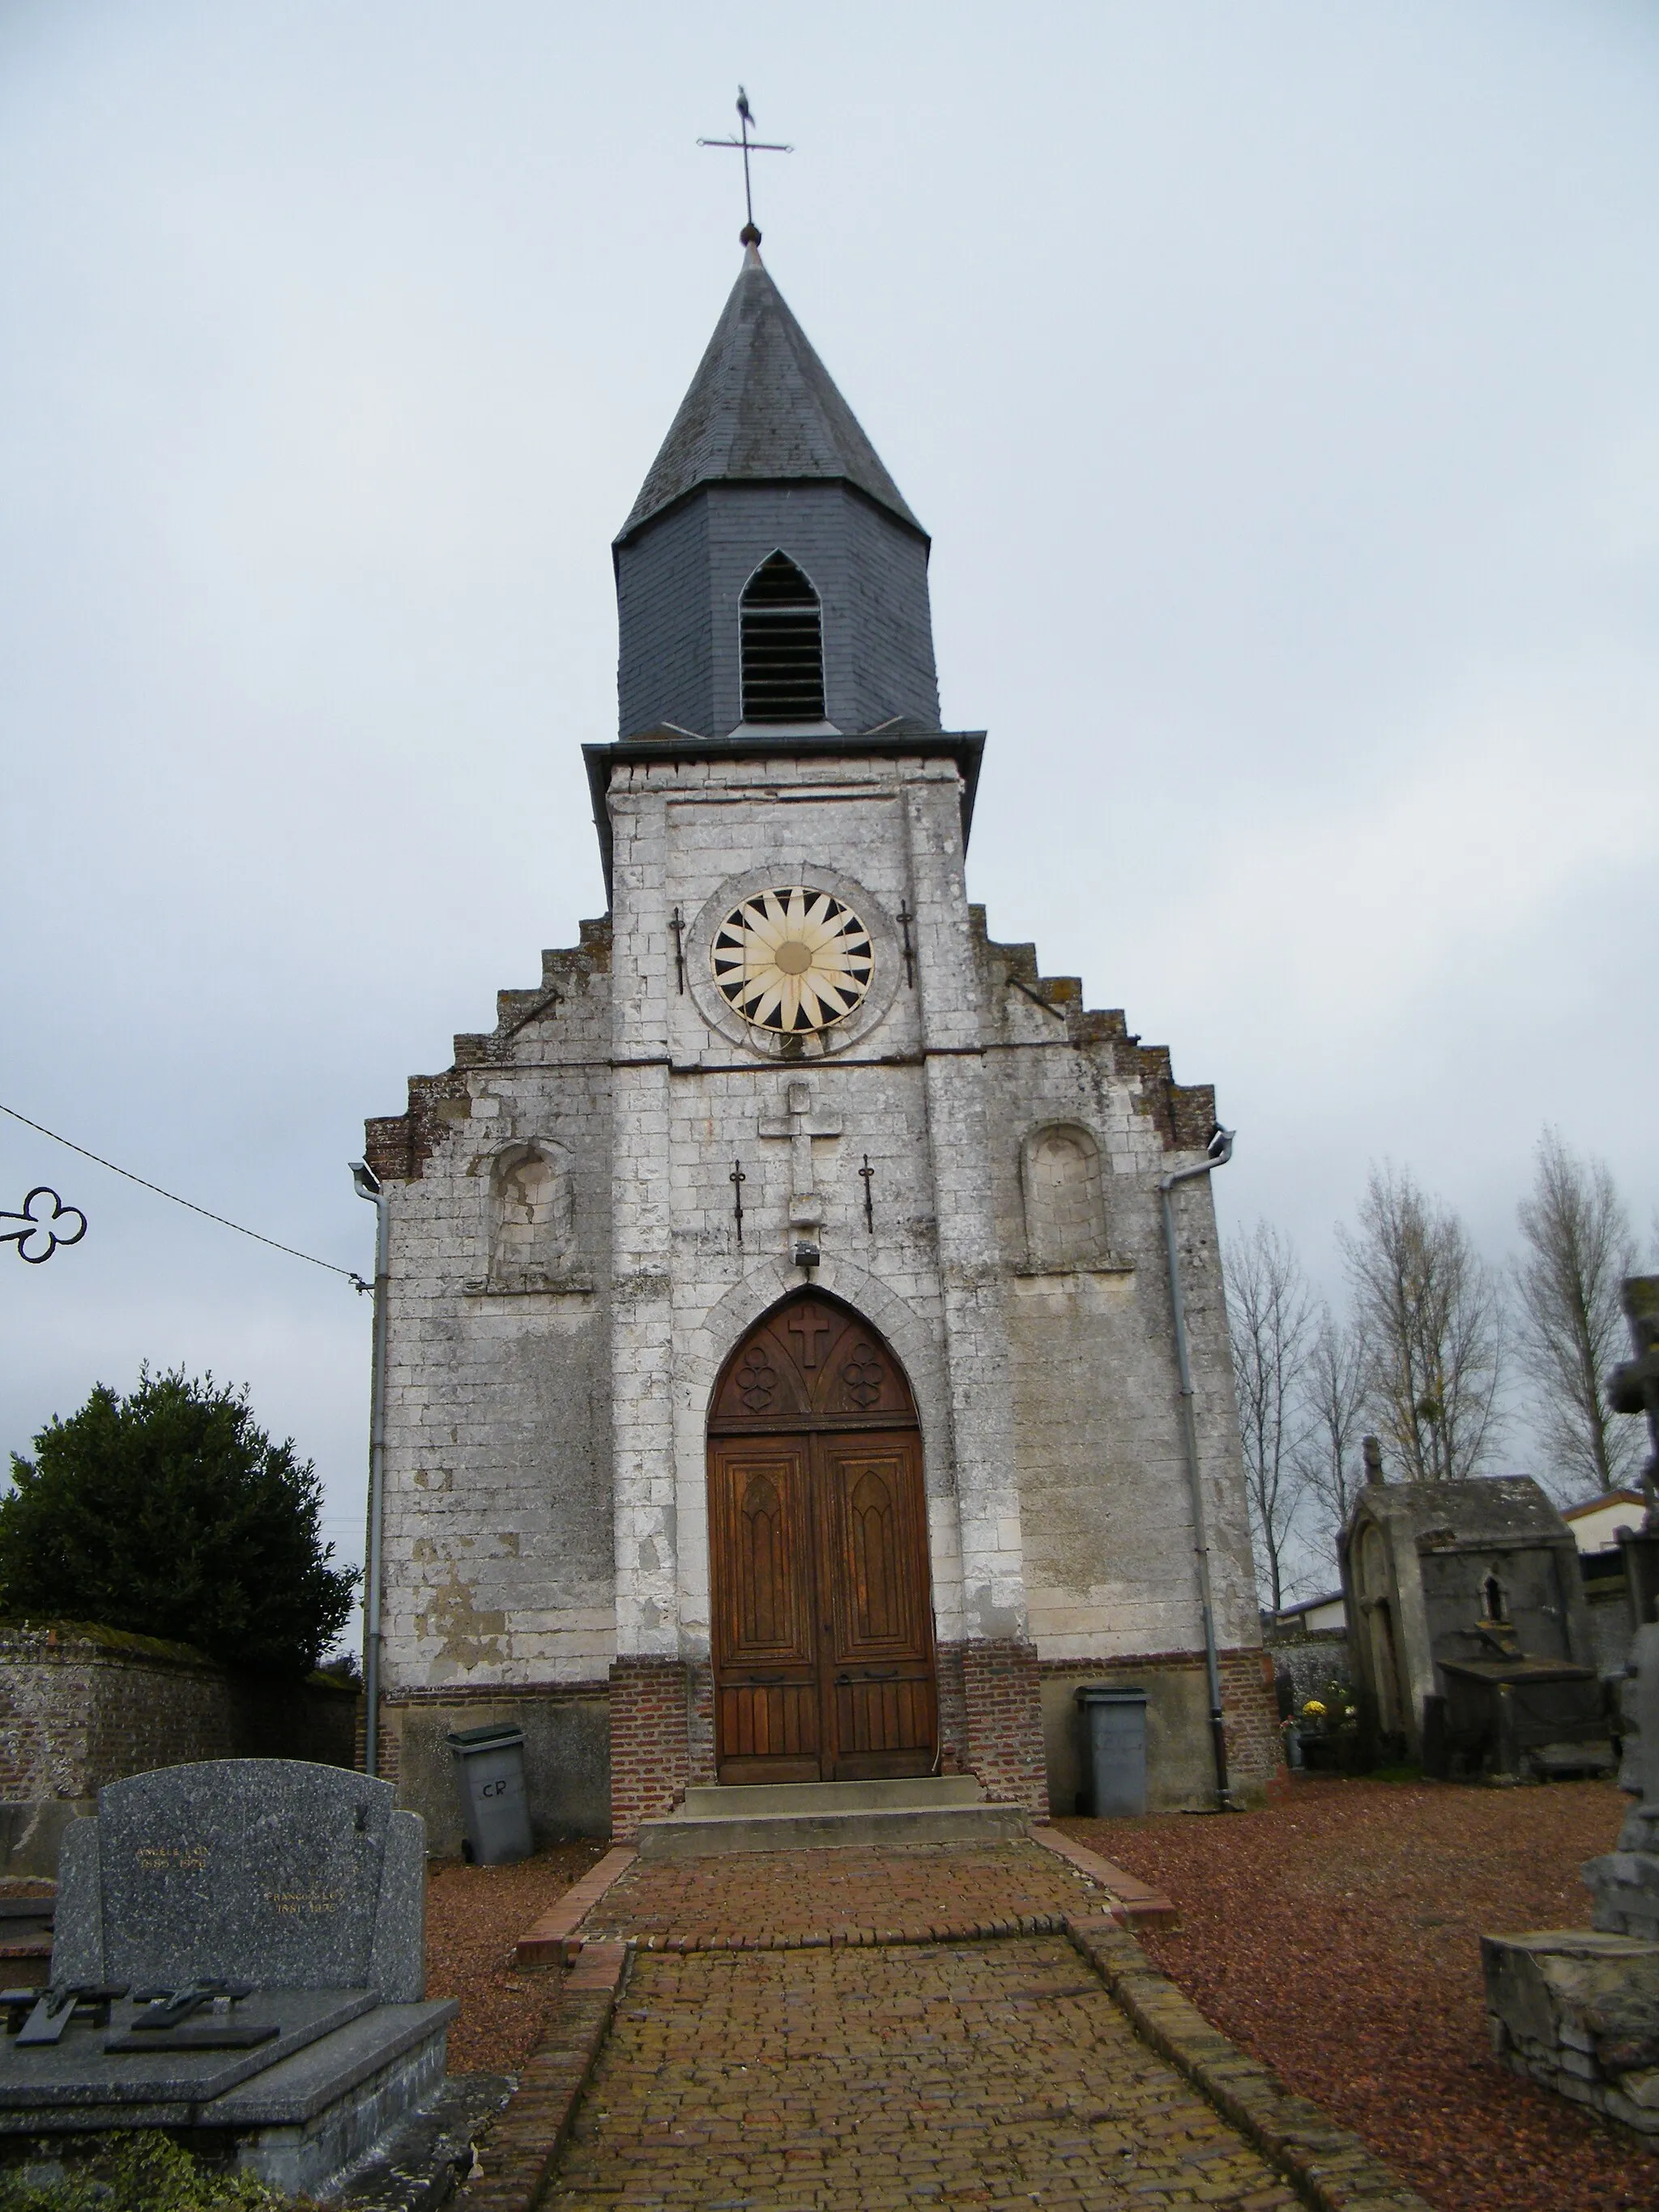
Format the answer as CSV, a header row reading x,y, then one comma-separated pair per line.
x,y
1315,1614
1595,1523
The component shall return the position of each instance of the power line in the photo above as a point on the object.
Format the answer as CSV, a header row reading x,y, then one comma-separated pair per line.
x,y
293,1251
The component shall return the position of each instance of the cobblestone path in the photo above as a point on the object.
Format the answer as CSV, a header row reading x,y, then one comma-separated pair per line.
x,y
940,2075
774,1892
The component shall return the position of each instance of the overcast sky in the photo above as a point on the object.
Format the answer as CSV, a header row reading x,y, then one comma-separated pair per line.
x,y
1278,383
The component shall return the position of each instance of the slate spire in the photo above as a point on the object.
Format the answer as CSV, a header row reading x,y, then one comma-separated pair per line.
x,y
761,409
770,575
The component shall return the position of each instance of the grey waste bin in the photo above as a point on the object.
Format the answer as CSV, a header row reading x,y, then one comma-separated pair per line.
x,y
1114,1730
490,1768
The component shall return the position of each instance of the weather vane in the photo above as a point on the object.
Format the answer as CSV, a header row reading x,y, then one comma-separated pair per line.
x,y
746,145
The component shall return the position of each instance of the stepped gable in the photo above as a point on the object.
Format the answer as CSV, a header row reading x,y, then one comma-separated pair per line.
x,y
398,1145
1183,1114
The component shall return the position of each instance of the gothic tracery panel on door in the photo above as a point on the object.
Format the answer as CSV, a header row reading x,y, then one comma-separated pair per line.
x,y
822,1614
871,1515
766,1691
806,1359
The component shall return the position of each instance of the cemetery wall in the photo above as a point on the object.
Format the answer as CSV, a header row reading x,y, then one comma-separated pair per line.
x,y
81,1707
1307,1663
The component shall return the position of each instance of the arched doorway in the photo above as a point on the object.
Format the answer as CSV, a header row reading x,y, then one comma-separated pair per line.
x,y
822,1615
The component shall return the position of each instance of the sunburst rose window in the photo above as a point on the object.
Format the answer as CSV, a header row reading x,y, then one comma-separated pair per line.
x,y
792,960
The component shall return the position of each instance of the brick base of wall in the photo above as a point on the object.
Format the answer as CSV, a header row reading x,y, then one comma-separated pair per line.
x,y
650,1741
952,1711
1250,1711
1003,1712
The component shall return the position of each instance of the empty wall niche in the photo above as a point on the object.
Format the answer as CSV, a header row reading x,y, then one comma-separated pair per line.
x,y
1065,1204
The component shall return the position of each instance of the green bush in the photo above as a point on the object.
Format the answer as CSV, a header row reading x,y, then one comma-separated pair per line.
x,y
145,2173
171,1513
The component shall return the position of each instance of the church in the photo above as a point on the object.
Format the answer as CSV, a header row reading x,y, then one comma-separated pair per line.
x,y
783,1378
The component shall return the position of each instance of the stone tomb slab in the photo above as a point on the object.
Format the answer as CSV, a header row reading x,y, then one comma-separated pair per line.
x,y
303,1880
79,2075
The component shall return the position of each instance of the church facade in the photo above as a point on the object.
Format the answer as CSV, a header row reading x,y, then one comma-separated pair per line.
x,y
781,1378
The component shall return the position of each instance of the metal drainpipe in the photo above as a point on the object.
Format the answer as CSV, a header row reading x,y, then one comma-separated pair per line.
x,y
366,1184
1217,1153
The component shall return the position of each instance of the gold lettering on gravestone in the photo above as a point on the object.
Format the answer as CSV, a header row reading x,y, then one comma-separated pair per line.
x,y
299,1903
172,1858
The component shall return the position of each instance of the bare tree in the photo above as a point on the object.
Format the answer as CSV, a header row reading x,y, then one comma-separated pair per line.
x,y
1334,1397
1432,1315
1578,1248
1270,1318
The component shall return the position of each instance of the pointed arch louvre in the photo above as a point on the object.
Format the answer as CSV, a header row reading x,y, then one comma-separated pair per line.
x,y
782,634
822,1612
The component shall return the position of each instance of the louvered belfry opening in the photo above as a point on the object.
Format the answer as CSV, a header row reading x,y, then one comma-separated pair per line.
x,y
782,645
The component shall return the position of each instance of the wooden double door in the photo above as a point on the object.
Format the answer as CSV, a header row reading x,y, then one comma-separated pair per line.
x,y
822,1608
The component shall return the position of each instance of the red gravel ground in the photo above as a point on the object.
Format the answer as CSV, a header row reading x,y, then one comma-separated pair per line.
x,y
474,1917
1335,1937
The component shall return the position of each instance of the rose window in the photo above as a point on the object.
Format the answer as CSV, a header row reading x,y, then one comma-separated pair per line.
x,y
792,960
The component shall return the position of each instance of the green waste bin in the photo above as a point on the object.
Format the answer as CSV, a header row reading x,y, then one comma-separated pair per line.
x,y
495,1818
1114,1730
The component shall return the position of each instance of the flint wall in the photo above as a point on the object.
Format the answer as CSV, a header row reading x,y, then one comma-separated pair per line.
x,y
81,1707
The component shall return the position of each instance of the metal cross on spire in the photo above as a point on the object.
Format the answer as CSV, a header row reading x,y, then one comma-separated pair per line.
x,y
746,145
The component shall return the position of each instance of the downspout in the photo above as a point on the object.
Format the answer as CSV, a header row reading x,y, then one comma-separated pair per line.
x,y
366,1184
1218,1152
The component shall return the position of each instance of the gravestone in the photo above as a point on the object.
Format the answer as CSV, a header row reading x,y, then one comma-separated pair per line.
x,y
300,1891
267,1871
1577,2009
1624,1882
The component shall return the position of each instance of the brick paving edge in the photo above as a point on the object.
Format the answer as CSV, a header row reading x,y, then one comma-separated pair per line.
x,y
838,1939
1134,1900
521,2148
552,1940
1328,2166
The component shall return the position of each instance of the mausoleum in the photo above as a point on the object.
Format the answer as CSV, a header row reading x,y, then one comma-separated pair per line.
x,y
782,1379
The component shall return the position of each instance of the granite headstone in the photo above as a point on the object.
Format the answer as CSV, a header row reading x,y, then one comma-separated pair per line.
x,y
267,1870
299,1892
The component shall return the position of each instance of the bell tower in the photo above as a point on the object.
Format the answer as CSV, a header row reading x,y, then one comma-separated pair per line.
x,y
771,575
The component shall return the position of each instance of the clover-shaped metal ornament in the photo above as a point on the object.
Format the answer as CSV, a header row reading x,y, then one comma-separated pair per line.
x,y
45,1227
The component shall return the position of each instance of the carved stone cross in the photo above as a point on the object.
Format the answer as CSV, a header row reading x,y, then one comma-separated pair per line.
x,y
798,1127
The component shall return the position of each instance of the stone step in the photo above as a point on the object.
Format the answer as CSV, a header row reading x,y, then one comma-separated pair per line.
x,y
830,1815
913,1793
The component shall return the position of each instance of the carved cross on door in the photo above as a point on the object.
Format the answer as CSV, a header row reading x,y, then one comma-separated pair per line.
x,y
797,1128
811,1325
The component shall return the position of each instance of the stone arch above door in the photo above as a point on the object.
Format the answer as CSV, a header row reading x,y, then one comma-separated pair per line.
x,y
705,1351
811,1357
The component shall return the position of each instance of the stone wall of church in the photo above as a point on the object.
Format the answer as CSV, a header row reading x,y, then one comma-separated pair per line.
x,y
498,1540
1088,1121
569,1273
1091,1123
